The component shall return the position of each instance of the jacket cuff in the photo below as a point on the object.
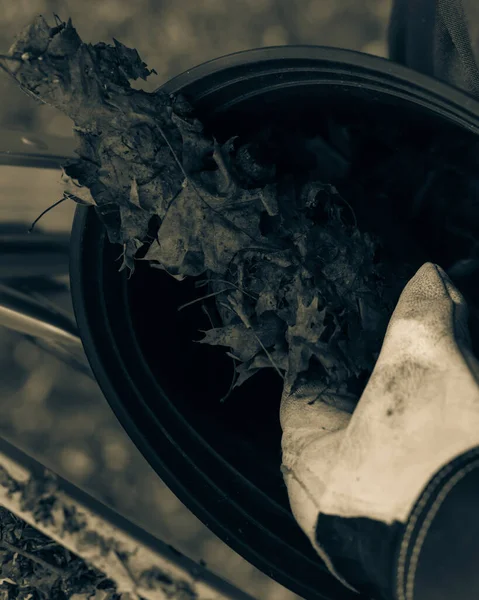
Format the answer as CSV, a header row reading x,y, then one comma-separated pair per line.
x,y
438,555
433,556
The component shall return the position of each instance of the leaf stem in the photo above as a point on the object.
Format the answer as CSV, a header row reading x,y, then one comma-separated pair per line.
x,y
233,381
154,123
202,298
24,89
205,310
268,355
350,208
45,211
32,557
220,161
230,283
260,342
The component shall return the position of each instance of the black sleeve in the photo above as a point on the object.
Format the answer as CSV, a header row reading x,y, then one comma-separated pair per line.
x,y
434,556
439,38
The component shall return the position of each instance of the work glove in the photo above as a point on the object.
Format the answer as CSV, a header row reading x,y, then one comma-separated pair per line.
x,y
419,410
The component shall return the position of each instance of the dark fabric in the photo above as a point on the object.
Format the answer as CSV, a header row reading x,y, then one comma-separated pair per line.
x,y
439,38
362,551
411,34
438,557
434,556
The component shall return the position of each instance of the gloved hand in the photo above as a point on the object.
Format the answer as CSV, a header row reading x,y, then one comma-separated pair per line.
x,y
419,410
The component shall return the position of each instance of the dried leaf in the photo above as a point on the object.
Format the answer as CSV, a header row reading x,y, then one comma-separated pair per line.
x,y
32,567
246,342
304,336
79,193
304,279
203,233
247,369
129,61
240,339
134,195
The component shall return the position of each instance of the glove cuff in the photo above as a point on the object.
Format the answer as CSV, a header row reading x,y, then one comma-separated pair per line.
x,y
433,556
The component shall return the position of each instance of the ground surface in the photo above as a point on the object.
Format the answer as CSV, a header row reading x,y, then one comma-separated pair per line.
x,y
60,416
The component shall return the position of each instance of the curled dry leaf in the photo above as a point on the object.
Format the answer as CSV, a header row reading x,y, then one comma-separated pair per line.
x,y
301,291
74,190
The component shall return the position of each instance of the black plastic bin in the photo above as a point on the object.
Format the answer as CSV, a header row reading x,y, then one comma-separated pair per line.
x,y
223,459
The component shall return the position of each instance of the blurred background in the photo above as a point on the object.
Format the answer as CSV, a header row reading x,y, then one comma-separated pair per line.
x,y
48,409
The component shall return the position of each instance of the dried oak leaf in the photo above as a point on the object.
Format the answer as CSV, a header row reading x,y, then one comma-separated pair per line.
x,y
203,230
146,159
304,342
196,145
125,135
246,342
278,358
74,190
308,328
